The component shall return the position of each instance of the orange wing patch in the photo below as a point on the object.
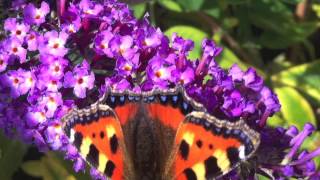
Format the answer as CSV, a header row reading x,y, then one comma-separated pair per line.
x,y
168,115
99,143
126,112
201,153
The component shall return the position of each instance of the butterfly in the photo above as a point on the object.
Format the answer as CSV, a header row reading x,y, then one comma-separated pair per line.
x,y
160,135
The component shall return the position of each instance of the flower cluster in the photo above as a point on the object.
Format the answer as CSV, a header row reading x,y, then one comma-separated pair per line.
x,y
49,65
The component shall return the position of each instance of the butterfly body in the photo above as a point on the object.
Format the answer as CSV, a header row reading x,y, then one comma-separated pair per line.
x,y
163,135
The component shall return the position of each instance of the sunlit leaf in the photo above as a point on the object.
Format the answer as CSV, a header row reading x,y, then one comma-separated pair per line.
x,y
295,109
171,5
189,32
275,121
139,9
304,77
228,58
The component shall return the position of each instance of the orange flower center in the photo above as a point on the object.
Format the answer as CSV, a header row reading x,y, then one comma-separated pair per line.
x,y
56,68
102,46
18,32
31,37
80,81
16,81
158,74
127,68
15,49
1,62
51,99
56,45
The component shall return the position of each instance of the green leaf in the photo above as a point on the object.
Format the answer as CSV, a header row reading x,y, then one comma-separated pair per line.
x,y
33,168
48,168
275,121
191,5
316,9
313,142
189,32
294,107
305,77
228,58
139,10
171,5
260,177
279,29
11,155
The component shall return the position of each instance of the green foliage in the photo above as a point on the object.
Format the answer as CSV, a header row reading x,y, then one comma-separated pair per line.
x,y
303,77
295,108
11,154
52,167
265,34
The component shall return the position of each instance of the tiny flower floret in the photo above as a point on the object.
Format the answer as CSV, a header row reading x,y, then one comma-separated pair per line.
x,y
33,15
16,29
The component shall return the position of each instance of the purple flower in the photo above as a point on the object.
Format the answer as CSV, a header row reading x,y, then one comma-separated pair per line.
x,y
79,165
35,137
19,81
149,37
80,79
252,80
35,116
210,51
4,57
90,8
102,41
181,45
117,83
53,43
123,45
71,27
125,67
159,72
183,77
53,66
17,4
15,49
233,103
54,135
33,15
32,40
96,175
50,101
236,73
16,29
49,83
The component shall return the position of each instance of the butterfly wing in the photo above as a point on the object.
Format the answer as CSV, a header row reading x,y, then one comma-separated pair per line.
x,y
208,148
97,134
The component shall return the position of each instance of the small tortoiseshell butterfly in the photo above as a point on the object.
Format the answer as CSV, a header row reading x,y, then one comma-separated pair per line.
x,y
158,135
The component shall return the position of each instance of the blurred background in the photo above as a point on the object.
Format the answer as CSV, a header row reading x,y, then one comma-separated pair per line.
x,y
279,38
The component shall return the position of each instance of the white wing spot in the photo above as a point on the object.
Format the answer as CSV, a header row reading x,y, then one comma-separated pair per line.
x,y
242,154
72,133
